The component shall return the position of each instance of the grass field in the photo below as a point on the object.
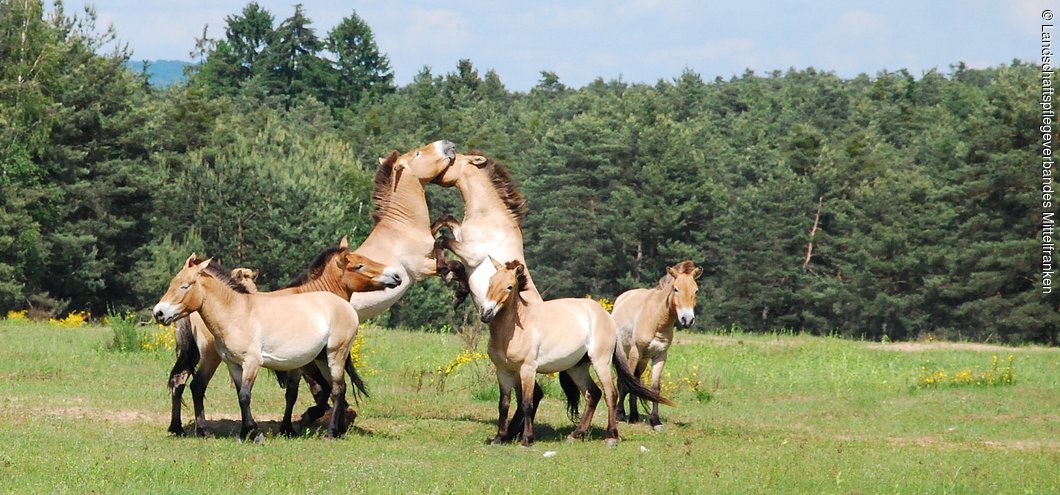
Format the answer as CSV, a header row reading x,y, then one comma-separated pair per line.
x,y
760,414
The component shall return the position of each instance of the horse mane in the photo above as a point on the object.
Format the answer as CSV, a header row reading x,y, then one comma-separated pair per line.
x,y
215,270
520,279
503,183
316,267
384,187
685,266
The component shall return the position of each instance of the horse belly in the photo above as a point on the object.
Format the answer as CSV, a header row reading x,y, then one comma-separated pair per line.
x,y
292,354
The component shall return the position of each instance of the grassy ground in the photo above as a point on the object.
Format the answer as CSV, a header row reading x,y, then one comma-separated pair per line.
x,y
760,414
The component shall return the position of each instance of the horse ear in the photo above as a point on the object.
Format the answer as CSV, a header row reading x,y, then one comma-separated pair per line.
x,y
671,272
496,265
344,243
697,273
253,275
478,161
191,260
343,260
205,263
520,269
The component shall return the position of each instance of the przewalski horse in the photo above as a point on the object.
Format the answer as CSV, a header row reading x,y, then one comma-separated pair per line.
x,y
561,335
282,332
334,270
401,237
645,319
494,211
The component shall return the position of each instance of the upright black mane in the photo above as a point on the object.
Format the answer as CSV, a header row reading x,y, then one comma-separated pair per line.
x,y
383,186
215,270
316,267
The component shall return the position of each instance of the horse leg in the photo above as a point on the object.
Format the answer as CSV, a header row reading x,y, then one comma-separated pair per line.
x,y
527,382
315,379
187,354
207,367
337,368
580,375
447,221
602,365
177,380
246,374
656,384
294,379
505,382
516,425
634,410
634,360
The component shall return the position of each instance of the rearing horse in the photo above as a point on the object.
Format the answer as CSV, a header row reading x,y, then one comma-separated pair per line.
x,y
494,210
561,335
645,319
401,237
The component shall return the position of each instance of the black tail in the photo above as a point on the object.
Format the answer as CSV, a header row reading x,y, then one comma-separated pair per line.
x,y
574,395
633,384
281,377
187,353
358,384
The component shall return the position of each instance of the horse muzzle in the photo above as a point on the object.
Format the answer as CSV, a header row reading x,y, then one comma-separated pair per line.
x,y
685,318
165,313
390,278
489,312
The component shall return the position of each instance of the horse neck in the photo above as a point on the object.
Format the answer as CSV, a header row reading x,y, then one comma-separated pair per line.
x,y
320,284
408,204
217,302
509,321
661,308
480,197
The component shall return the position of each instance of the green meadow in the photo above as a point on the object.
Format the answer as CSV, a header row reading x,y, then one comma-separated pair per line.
x,y
756,414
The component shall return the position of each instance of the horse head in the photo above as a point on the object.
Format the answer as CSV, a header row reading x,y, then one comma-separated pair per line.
x,y
504,287
460,166
426,162
185,293
683,291
362,274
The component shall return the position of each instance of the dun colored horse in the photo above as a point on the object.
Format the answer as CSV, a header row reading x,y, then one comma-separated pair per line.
x,y
645,319
494,210
401,237
249,331
530,337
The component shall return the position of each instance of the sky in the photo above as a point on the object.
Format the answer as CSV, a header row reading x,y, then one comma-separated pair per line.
x,y
632,40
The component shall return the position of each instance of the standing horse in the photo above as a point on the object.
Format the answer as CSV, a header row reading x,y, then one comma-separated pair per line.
x,y
645,319
334,270
282,333
530,337
494,210
401,237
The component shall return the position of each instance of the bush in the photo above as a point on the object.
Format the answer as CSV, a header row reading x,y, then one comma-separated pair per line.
x,y
127,334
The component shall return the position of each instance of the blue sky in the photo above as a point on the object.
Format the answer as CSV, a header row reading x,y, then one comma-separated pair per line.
x,y
637,40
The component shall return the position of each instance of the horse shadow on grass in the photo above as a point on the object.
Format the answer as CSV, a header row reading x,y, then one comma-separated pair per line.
x,y
229,428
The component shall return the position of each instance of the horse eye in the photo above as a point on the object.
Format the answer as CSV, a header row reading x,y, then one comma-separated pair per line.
x,y
185,286
675,289
509,287
417,153
360,266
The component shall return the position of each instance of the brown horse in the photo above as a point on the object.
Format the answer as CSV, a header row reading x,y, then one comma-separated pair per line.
x,y
246,277
494,210
402,238
530,337
334,270
283,333
645,319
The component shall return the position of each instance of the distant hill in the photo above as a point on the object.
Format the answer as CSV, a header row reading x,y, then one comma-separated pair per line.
x,y
161,72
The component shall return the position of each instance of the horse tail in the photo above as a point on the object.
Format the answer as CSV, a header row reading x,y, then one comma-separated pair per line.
x,y
187,354
281,377
358,384
633,384
573,393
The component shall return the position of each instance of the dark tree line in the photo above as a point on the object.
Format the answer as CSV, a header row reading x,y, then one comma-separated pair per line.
x,y
885,205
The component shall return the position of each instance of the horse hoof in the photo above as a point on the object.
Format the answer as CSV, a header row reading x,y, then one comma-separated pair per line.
x,y
571,438
176,431
497,441
659,428
611,443
203,432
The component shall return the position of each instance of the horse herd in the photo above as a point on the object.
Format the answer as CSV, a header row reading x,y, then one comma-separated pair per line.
x,y
305,331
